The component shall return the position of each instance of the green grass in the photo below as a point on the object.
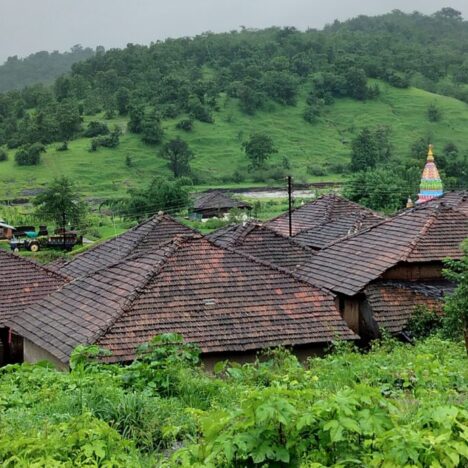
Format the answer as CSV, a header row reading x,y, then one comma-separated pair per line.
x,y
217,146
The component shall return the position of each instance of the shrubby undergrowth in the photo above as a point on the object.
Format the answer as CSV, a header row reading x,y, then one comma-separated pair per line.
x,y
396,405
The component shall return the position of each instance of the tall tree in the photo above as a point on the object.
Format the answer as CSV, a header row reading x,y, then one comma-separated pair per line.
x,y
258,149
61,203
179,154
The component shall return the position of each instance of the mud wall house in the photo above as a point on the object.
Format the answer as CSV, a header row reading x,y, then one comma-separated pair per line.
x,y
227,302
322,221
382,273
22,283
217,204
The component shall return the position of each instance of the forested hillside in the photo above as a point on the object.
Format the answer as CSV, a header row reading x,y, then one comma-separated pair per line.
x,y
41,67
390,84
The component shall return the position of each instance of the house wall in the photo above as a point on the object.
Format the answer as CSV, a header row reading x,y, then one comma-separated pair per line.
x,y
414,271
349,309
33,353
302,353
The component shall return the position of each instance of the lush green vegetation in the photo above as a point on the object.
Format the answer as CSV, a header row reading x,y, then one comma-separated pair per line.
x,y
41,67
397,405
314,152
310,92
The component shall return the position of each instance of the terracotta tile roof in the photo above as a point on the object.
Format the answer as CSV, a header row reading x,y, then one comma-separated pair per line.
x,y
393,302
217,200
423,234
221,299
259,241
324,220
22,283
455,199
142,238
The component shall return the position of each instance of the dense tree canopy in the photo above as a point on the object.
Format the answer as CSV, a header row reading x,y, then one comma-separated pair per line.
x,y
184,77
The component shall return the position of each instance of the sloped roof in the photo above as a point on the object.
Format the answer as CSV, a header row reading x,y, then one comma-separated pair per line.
x,y
22,283
455,199
423,234
216,201
221,299
393,302
324,220
142,238
259,241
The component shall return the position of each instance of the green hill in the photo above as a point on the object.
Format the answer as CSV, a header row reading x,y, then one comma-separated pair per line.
x,y
217,146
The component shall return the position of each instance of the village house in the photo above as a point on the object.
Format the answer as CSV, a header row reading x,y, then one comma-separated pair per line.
x,y
255,239
22,283
6,230
381,273
217,204
229,303
144,237
319,222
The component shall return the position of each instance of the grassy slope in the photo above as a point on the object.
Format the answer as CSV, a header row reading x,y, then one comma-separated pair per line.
x,y
218,146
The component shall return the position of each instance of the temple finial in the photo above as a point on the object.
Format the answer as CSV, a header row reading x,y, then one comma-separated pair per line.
x,y
431,185
430,154
409,203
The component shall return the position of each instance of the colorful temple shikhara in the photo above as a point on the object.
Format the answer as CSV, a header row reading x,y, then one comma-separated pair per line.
x,y
431,184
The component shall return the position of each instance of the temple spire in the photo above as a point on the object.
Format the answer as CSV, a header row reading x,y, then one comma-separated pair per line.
x,y
431,184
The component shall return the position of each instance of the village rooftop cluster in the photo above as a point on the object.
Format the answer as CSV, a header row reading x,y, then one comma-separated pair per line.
x,y
332,270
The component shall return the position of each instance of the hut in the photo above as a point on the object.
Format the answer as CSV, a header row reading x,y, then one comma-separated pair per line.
x,y
22,283
319,222
227,302
6,230
217,204
380,274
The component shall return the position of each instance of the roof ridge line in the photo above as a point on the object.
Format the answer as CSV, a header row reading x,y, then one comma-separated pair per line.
x,y
272,266
49,271
425,228
98,244
153,272
287,238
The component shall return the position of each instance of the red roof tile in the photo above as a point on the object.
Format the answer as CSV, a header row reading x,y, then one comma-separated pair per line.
x,y
22,283
324,220
423,234
221,299
392,303
142,238
259,241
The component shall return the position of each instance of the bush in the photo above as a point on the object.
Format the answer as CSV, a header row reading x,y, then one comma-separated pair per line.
x,y
423,322
95,129
63,146
434,114
185,124
107,141
3,155
317,171
30,156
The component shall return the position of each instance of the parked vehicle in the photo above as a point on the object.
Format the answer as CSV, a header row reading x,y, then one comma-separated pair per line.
x,y
34,242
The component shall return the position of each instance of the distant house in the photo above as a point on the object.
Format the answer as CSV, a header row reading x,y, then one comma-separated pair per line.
x,y
229,303
324,220
255,239
145,237
22,283
6,231
381,273
216,203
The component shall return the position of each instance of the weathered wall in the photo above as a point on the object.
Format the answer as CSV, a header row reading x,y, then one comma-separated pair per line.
x,y
414,271
33,353
349,309
302,353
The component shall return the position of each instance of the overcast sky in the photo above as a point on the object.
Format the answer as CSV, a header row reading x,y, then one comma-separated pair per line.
x,y
28,26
